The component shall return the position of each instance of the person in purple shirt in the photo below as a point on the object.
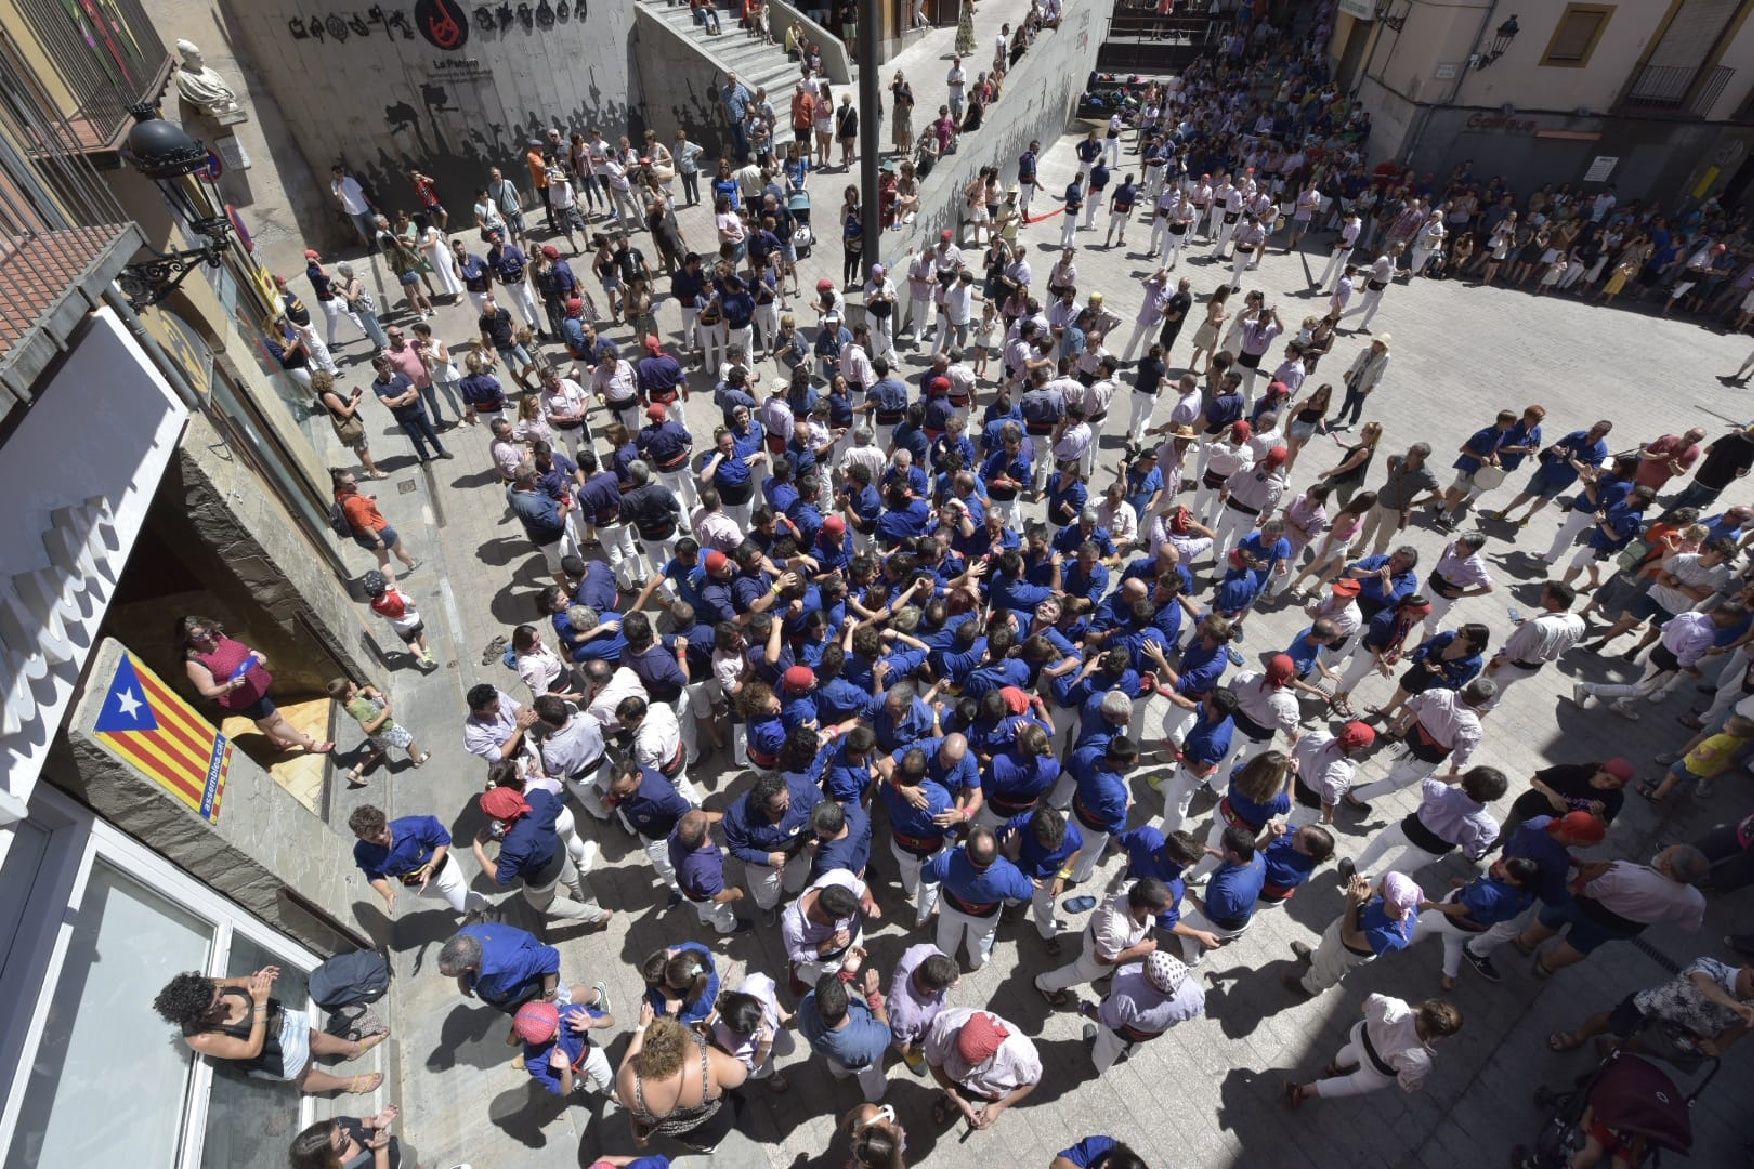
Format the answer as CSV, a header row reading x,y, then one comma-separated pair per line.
x,y
700,872
923,980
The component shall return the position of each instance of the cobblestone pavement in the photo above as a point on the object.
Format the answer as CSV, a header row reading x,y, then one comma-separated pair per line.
x,y
1207,1094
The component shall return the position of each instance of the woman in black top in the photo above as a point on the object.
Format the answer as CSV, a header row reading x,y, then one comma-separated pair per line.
x,y
347,1142
235,1019
1348,475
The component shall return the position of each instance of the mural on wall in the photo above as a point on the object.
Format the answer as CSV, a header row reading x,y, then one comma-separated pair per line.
x,y
449,86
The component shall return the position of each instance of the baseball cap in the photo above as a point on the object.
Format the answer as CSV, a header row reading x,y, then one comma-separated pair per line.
x,y
1620,769
1581,827
946,235
834,525
716,560
799,677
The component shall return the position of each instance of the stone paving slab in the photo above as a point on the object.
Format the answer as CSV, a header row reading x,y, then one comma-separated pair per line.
x,y
1208,1094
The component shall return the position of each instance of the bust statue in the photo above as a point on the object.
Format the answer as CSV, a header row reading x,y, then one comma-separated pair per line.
x,y
203,88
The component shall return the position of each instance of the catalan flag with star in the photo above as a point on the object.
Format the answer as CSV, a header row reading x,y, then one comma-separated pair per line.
x,y
150,726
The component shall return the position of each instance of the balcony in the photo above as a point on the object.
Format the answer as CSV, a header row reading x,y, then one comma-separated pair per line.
x,y
86,69
1685,90
63,239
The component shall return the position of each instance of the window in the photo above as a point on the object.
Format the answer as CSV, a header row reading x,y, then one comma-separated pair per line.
x,y
97,924
1575,37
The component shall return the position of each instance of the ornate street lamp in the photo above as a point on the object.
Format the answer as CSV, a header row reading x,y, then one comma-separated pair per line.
x,y
1500,42
183,170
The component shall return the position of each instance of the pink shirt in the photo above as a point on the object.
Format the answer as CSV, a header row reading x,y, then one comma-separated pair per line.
x,y
406,361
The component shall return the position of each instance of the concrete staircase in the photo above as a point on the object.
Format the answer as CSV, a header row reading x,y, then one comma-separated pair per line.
x,y
756,63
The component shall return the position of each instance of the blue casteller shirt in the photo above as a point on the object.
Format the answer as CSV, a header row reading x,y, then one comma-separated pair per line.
x,y
1100,800
697,1010
1491,901
1384,934
1233,890
974,890
1208,741
1017,780
1033,860
751,836
574,1043
412,841
1532,840
911,827
530,844
1090,1151
862,1043
1286,867
851,852
700,872
655,806
956,778
1143,847
513,964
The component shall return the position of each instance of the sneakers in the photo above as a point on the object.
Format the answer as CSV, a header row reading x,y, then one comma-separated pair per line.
x,y
1624,710
1482,966
1578,694
602,1003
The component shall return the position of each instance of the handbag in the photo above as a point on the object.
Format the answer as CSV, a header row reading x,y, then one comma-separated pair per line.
x,y
349,431
363,303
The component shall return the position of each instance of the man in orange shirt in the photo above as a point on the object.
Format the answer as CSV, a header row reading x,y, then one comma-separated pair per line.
x,y
803,116
538,165
371,530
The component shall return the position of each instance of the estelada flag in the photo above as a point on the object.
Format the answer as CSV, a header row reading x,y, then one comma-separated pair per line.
x,y
150,726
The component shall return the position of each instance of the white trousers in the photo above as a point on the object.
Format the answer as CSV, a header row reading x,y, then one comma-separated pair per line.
x,y
1068,229
1655,685
1178,795
1406,773
681,482
1574,523
1232,525
1085,968
956,929
1090,854
717,914
623,554
1336,265
1401,854
658,852
452,887
1362,1079
1194,950
924,894
1433,924
768,884
1331,961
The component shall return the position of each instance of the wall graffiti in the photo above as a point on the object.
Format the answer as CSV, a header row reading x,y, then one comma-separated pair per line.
x,y
444,24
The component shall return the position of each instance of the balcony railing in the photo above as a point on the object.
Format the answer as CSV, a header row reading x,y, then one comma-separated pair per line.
x,y
63,236
106,58
1680,89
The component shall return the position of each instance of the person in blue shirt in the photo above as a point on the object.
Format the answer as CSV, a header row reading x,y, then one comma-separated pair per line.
x,y
501,965
1088,577
531,851
699,864
1232,892
1612,530
767,828
1375,920
1501,894
1019,776
903,718
1547,841
1067,495
1098,1152
1448,661
412,852
1100,796
1481,450
682,982
842,834
592,582
1558,467
975,882
1290,856
1044,844
1007,472
558,1052
904,516
652,807
1384,579
849,1029
1203,746
920,809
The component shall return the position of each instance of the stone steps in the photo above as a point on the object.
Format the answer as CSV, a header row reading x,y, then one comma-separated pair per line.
x,y
756,63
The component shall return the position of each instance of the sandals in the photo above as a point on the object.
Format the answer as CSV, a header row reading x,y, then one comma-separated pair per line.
x,y
424,756
1341,706
1648,789
361,1046
364,1085
356,775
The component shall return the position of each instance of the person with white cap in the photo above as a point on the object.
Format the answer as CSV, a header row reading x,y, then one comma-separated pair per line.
x,y
1325,764
1377,920
1144,1000
984,1064
1390,1045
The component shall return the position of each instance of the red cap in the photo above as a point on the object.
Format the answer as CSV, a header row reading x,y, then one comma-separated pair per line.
x,y
536,1021
1016,701
824,284
1281,669
279,281
1347,586
1241,432
1355,736
799,677
834,525
980,1038
1276,457
550,252
656,412
946,235
938,385
503,803
311,254
653,345
1278,389
1620,769
716,560
575,307
1178,520
1582,827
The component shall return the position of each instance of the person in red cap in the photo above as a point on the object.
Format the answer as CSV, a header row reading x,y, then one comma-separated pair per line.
x,y
532,854
556,1037
667,446
797,701
1266,705
1547,841
1225,452
984,1064
1596,787
1325,765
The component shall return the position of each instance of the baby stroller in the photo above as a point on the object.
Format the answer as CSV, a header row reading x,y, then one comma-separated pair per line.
x,y
803,239
1635,1108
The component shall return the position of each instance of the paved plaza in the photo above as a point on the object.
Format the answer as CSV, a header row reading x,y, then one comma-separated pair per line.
x,y
1208,1094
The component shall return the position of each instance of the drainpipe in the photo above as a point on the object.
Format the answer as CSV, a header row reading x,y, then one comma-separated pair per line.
x,y
173,373
1425,112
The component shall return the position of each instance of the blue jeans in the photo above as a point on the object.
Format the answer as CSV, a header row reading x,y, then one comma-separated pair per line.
x,y
374,329
1694,494
418,427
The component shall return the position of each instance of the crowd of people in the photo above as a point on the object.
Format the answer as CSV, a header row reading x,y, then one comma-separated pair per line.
x,y
939,651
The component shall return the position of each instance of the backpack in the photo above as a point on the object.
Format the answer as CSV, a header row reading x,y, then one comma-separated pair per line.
x,y
338,521
362,976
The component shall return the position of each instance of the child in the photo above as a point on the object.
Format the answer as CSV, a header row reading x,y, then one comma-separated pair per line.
x,y
1716,755
371,710
1291,855
398,609
983,337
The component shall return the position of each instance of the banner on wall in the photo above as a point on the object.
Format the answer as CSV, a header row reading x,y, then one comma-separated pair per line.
x,y
161,736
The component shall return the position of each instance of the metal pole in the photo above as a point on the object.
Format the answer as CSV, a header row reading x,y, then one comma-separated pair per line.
x,y
869,135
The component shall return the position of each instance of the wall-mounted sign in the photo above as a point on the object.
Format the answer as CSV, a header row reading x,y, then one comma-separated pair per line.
x,y
155,731
458,69
1446,71
1601,168
1359,9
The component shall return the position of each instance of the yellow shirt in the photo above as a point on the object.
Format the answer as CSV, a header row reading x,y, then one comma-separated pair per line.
x,y
1714,756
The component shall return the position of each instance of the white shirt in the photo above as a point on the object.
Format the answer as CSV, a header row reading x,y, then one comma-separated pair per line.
x,y
1686,568
1389,1024
1273,707
715,530
743,1047
1544,638
352,195
801,935
1015,1064
1640,893
1113,927
870,456
574,749
1464,572
540,670
623,683
1120,520
1322,766
483,738
1449,723
659,737
1074,442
